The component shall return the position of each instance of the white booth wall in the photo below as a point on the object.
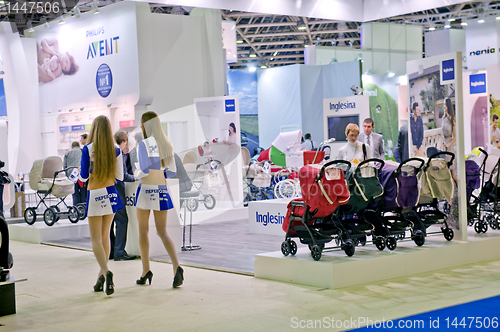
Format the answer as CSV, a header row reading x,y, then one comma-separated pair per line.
x,y
293,96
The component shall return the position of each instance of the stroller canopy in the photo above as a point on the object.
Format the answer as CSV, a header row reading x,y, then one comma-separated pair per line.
x,y
285,150
44,169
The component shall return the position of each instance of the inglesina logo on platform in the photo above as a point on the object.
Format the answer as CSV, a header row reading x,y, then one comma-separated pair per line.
x,y
485,51
342,106
269,218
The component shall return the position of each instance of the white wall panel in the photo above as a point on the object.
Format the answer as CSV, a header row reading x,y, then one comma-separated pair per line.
x,y
414,38
380,36
397,37
380,62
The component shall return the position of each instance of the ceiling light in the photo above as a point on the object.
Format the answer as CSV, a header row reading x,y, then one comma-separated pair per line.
x,y
432,28
447,26
452,19
497,18
239,42
463,24
480,19
252,68
390,73
253,55
301,25
275,53
263,66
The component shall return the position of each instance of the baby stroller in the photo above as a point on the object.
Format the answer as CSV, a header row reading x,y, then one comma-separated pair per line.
x,y
48,178
356,218
473,181
310,218
401,191
436,183
258,182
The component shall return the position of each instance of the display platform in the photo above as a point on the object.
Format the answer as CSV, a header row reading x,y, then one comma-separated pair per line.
x,y
266,217
216,215
39,232
336,270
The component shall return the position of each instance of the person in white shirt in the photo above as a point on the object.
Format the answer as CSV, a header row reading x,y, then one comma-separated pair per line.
x,y
308,144
374,140
353,150
495,132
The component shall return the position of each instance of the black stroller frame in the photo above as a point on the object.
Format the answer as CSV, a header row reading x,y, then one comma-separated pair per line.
x,y
426,215
482,210
256,193
52,213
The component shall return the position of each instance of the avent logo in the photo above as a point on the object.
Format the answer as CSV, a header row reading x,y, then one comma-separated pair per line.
x,y
103,47
269,218
477,83
342,106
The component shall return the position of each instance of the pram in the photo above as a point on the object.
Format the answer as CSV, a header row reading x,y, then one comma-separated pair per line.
x,y
258,180
48,178
482,209
436,183
401,192
310,218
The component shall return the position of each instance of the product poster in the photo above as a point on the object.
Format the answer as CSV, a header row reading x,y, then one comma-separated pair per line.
x,y
476,110
91,61
383,94
436,123
493,95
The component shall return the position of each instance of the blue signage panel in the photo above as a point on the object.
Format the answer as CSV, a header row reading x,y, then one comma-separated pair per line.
x,y
104,80
78,128
63,129
448,70
477,83
230,105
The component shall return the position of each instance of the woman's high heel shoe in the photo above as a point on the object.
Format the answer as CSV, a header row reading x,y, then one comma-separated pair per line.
x,y
148,276
110,287
179,277
99,284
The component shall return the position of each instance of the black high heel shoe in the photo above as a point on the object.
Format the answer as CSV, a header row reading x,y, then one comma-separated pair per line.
x,y
179,277
110,287
99,284
148,276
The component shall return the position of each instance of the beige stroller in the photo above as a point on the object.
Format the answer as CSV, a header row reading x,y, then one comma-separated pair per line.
x,y
48,178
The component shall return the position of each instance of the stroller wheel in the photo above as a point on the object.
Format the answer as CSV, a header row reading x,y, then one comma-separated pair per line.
x,y
49,216
285,248
209,201
284,189
448,234
379,243
419,238
293,247
192,204
484,227
478,227
73,215
57,210
316,252
81,211
30,215
391,243
349,247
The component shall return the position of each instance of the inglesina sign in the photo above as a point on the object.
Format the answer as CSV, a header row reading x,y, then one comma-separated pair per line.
x,y
485,51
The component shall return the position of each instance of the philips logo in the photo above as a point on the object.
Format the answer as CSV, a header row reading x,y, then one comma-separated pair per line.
x,y
477,83
266,219
342,106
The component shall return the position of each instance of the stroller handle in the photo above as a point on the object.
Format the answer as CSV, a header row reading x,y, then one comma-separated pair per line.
x,y
481,149
435,155
380,161
422,163
333,162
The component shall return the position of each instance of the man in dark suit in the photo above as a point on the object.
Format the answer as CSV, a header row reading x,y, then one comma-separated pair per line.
x,y
121,218
374,140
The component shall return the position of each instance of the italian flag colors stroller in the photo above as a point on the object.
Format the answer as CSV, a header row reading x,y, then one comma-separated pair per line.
x,y
48,178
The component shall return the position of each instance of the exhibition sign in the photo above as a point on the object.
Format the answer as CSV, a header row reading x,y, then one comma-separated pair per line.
x,y
89,62
481,43
266,217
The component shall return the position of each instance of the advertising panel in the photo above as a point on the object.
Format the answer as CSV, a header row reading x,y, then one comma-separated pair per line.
x,y
90,61
475,111
493,77
481,43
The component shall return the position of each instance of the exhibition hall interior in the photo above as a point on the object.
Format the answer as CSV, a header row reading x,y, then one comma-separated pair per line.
x,y
321,164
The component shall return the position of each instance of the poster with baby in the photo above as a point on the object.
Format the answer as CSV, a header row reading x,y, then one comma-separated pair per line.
x,y
91,61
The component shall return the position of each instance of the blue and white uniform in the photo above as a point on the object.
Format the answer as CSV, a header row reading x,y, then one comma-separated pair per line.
x,y
152,197
102,201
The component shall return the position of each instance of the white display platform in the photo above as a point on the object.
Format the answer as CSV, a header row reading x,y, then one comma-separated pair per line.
x,y
39,232
266,217
336,270
216,215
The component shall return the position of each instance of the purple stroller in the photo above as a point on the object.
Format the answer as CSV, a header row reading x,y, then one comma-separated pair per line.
x,y
400,192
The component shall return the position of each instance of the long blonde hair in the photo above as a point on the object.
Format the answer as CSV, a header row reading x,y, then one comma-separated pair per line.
x,y
104,153
151,127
